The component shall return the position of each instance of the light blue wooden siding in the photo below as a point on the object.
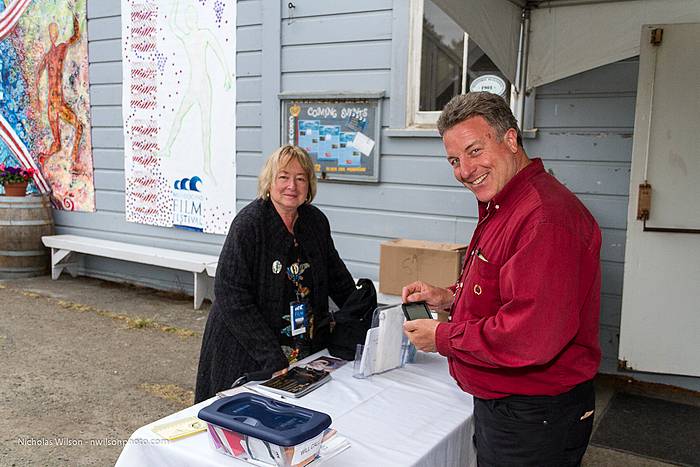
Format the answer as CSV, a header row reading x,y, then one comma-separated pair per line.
x,y
585,136
584,122
104,47
585,125
341,46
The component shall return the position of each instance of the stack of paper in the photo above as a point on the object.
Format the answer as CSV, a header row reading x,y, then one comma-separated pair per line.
x,y
383,348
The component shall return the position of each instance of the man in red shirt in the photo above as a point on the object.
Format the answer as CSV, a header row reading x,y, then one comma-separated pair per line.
x,y
523,331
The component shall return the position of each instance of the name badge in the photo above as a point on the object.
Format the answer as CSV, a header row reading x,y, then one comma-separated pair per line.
x,y
297,312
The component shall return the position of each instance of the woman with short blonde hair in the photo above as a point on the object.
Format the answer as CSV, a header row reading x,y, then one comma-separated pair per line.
x,y
277,270
280,158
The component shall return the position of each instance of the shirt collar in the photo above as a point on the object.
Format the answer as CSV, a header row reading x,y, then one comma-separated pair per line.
x,y
514,186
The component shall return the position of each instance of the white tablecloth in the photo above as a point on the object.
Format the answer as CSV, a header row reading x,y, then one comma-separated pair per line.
x,y
414,415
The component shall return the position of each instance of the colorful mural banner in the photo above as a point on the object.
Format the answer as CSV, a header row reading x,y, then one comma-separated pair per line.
x,y
179,104
44,97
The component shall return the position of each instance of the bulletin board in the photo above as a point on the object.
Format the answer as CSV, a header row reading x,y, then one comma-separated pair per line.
x,y
340,131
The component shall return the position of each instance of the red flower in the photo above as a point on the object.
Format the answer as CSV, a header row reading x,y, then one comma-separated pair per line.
x,y
10,174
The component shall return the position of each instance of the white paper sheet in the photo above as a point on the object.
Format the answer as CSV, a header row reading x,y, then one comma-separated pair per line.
x,y
363,142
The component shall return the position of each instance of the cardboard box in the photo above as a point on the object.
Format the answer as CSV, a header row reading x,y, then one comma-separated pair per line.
x,y
403,261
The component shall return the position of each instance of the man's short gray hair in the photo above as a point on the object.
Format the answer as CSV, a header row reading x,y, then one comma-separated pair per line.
x,y
493,108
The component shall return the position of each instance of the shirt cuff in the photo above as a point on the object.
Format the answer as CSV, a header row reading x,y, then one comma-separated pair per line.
x,y
442,339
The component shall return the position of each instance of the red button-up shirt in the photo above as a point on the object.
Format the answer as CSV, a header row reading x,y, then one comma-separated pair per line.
x,y
527,305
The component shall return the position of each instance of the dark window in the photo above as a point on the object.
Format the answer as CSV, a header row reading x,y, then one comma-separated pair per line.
x,y
442,60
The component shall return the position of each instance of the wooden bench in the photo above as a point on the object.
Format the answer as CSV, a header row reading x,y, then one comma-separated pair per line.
x,y
65,247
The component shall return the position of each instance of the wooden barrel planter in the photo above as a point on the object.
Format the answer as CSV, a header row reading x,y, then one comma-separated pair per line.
x,y
23,221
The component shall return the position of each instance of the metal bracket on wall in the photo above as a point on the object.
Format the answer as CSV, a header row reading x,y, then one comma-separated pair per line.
x,y
644,210
657,35
291,7
669,229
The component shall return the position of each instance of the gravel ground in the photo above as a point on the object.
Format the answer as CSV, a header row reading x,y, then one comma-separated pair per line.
x,y
85,363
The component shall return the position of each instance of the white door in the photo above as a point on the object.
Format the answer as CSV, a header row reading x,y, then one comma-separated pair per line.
x,y
660,328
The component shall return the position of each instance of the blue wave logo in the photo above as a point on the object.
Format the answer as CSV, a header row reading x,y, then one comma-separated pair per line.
x,y
189,184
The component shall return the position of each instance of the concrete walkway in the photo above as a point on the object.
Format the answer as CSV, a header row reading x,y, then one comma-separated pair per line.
x,y
87,362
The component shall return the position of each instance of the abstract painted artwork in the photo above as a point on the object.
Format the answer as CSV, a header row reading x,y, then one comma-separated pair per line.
x,y
44,98
179,104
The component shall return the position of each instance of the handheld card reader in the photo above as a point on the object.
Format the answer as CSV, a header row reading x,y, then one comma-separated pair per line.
x,y
416,310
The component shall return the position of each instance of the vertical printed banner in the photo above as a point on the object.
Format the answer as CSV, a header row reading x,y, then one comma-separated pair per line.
x,y
44,97
179,104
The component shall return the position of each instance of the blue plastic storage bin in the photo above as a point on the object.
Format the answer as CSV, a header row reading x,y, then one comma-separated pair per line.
x,y
250,426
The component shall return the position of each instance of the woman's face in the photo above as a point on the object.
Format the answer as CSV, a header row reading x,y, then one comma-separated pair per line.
x,y
289,187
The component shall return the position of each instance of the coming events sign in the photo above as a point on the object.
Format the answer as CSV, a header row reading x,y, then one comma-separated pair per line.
x,y
339,131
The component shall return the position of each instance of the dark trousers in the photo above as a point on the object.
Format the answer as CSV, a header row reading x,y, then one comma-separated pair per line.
x,y
534,430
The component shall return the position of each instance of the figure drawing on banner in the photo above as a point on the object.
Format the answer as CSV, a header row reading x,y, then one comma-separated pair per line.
x,y
44,122
56,105
180,113
198,95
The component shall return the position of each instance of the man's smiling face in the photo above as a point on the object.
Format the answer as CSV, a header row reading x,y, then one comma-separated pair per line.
x,y
480,160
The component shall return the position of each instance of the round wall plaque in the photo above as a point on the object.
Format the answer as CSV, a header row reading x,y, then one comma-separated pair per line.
x,y
489,83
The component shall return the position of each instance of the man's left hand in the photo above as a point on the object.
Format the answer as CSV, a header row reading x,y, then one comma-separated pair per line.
x,y
421,333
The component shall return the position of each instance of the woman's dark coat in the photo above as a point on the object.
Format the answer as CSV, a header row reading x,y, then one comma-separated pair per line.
x,y
245,321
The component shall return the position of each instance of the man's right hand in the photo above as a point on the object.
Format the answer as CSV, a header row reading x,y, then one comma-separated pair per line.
x,y
437,298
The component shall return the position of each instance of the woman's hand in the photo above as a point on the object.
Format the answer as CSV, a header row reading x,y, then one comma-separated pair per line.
x,y
437,298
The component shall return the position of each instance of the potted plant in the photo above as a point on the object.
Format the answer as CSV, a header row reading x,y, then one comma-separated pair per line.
x,y
15,179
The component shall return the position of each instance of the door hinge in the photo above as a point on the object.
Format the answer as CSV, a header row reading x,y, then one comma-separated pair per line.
x,y
644,201
657,35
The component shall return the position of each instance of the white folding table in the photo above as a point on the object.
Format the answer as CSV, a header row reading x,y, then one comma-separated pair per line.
x,y
411,416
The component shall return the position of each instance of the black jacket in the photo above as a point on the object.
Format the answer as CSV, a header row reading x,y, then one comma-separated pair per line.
x,y
242,332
